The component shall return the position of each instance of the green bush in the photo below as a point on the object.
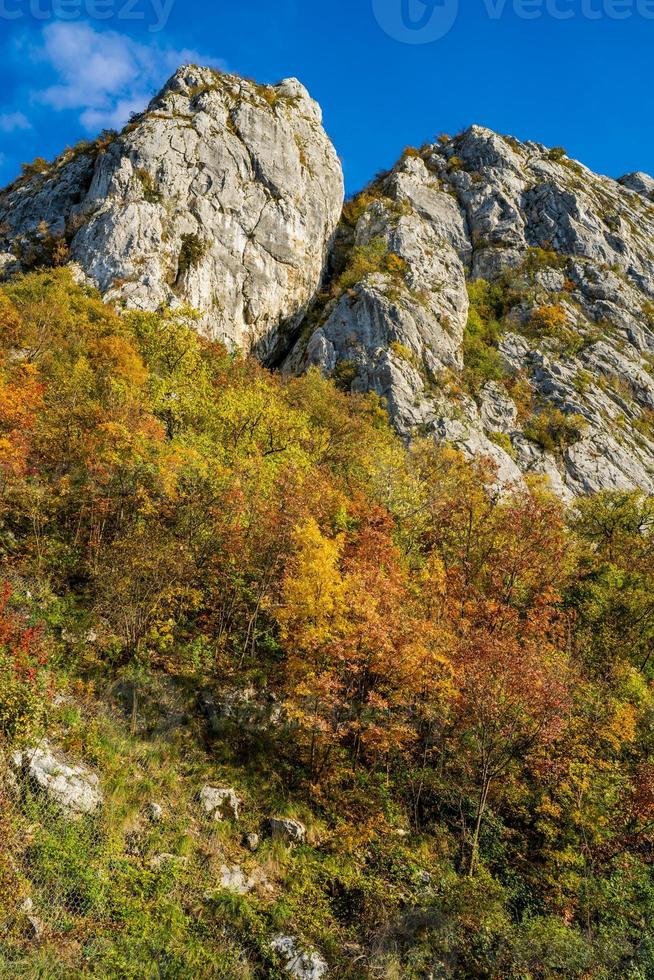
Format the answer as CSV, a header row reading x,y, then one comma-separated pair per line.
x,y
541,259
345,373
503,440
38,167
554,430
481,359
151,192
192,252
368,259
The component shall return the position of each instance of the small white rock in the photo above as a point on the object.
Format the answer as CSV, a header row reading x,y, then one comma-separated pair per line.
x,y
291,831
154,812
220,804
302,964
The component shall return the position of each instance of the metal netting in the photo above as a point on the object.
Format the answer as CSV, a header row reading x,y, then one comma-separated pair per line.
x,y
67,878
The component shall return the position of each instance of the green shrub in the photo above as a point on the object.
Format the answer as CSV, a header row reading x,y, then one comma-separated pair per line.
x,y
404,353
357,206
481,359
192,252
554,430
345,373
151,192
503,440
38,167
545,947
368,259
541,259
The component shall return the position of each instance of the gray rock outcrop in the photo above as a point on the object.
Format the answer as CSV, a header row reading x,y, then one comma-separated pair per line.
x,y
219,803
286,829
223,195
300,963
558,382
235,879
74,789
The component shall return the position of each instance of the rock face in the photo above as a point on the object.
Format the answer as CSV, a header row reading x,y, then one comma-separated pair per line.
x,y
498,295
73,788
552,370
223,195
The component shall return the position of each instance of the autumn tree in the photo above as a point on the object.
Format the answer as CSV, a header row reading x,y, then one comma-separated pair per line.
x,y
359,651
614,592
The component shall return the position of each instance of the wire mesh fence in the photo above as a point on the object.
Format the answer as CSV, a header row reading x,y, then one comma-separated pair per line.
x,y
77,859
67,879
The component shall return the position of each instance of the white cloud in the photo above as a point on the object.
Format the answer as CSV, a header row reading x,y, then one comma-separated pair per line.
x,y
104,74
11,121
113,118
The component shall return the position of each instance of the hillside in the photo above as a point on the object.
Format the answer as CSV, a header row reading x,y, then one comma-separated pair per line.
x,y
498,295
327,592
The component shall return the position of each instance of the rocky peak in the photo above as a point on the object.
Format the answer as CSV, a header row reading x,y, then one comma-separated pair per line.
x,y
499,296
223,195
496,293
640,183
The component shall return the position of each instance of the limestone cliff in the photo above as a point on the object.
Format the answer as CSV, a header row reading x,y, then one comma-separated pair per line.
x,y
498,295
553,373
222,195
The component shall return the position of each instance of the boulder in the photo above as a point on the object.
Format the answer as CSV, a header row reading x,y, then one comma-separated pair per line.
x,y
286,829
300,963
219,804
75,789
34,926
234,879
154,812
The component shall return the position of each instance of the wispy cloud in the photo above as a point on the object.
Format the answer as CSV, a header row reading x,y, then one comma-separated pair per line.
x,y
105,75
12,121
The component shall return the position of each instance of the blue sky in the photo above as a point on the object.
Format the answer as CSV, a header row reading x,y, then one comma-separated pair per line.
x,y
575,73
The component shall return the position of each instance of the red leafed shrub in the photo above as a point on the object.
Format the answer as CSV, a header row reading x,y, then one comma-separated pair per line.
x,y
23,675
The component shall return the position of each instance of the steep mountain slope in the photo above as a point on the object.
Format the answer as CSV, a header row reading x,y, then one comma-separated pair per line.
x,y
284,694
498,295
282,698
222,195
550,371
